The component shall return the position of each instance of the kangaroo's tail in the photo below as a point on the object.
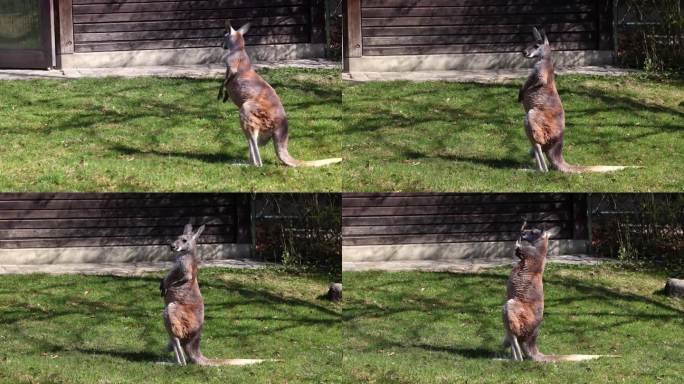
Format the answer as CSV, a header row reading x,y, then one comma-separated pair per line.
x,y
195,356
555,156
219,362
553,358
284,156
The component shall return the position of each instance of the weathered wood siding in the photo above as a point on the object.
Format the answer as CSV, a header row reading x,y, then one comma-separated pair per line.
x,y
121,25
53,220
405,218
413,27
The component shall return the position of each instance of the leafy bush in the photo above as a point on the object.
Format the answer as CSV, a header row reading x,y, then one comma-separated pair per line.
x,y
644,230
651,34
334,19
300,230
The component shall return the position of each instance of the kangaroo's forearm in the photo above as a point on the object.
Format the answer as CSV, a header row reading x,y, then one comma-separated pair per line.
x,y
177,276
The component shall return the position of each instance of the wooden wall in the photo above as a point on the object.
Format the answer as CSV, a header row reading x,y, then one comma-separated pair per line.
x,y
412,27
406,218
120,25
51,220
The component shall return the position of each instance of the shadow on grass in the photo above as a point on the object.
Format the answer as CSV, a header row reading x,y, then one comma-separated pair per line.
x,y
58,317
211,158
476,299
381,109
133,356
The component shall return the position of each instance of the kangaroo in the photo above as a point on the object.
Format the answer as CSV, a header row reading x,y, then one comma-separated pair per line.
x,y
262,115
544,114
184,311
524,309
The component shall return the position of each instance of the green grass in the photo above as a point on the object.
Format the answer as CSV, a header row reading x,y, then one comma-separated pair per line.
x,y
414,327
87,329
152,134
437,136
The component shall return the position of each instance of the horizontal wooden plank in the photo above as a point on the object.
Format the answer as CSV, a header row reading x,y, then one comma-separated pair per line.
x,y
183,34
437,238
472,39
346,195
109,203
161,6
450,219
447,199
500,11
470,48
104,241
474,29
454,209
4,196
376,230
116,212
164,232
478,20
185,43
260,26
190,14
462,3
176,222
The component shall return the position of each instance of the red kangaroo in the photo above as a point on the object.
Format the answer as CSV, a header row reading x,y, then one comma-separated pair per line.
x,y
262,115
524,309
544,114
184,312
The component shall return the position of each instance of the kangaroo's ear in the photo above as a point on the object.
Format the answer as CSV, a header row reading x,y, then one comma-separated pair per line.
x,y
536,34
188,229
199,231
553,231
546,39
244,28
229,28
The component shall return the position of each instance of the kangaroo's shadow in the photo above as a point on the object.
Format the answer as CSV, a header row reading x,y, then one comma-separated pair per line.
x,y
501,163
133,356
212,158
470,353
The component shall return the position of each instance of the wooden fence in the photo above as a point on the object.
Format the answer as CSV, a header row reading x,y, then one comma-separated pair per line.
x,y
418,27
57,220
120,25
407,218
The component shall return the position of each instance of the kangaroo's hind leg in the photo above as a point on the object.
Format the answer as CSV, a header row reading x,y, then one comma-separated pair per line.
x,y
178,350
254,155
515,347
539,155
249,122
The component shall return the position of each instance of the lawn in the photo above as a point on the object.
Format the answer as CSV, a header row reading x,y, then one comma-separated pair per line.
x,y
419,327
438,136
88,329
155,134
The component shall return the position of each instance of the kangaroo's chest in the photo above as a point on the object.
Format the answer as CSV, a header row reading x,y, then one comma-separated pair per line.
x,y
250,87
526,286
188,293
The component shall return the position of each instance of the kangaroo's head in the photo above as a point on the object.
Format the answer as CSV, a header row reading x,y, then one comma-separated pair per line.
x,y
187,241
533,242
541,48
233,40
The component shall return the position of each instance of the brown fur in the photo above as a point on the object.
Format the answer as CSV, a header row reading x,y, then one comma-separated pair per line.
x,y
523,310
544,113
262,115
184,311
